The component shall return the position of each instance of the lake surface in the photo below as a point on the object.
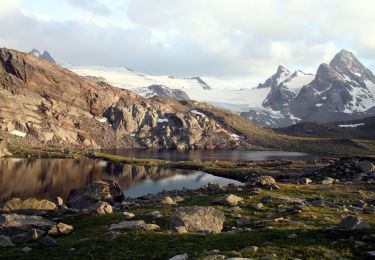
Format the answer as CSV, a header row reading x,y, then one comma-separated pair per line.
x,y
47,178
211,155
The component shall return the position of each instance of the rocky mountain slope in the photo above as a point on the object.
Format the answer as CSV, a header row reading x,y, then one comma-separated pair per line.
x,y
43,104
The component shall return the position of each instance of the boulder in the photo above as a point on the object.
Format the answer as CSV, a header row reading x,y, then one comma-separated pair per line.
x,y
60,229
129,225
168,201
28,206
328,181
242,222
11,224
128,215
207,219
179,257
266,180
103,208
365,166
88,196
230,199
5,241
31,235
353,223
282,200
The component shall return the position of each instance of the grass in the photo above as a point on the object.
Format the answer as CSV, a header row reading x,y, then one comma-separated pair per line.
x,y
89,240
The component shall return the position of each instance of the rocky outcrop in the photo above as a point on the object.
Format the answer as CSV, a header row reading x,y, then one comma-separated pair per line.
x,y
195,219
12,224
28,206
162,91
44,104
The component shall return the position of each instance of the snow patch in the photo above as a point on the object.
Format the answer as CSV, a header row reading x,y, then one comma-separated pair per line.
x,y
162,120
196,112
102,120
18,133
352,125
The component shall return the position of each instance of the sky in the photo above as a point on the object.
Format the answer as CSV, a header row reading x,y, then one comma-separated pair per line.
x,y
230,40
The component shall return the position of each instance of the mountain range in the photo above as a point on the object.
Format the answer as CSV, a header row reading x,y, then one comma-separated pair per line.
x,y
344,89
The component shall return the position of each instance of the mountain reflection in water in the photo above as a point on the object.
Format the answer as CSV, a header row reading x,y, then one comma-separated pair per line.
x,y
46,178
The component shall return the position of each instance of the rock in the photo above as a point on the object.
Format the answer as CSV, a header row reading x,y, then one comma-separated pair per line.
x,y
46,241
365,166
28,206
266,180
180,257
181,230
353,223
178,199
255,191
93,193
129,225
360,204
60,229
5,241
371,254
214,257
328,181
271,256
305,181
103,208
128,215
214,187
251,249
155,214
369,210
26,249
258,206
230,199
207,219
31,235
58,201
168,201
242,222
113,234
11,224
292,236
147,227
282,200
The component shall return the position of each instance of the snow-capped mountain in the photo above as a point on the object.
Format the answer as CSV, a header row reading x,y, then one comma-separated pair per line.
x,y
45,55
344,89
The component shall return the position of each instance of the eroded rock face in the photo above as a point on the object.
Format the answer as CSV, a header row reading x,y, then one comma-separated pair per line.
x,y
37,109
207,219
89,196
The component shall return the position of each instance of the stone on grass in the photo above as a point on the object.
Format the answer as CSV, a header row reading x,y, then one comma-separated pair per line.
x,y
180,257
12,224
103,208
328,181
60,229
206,219
155,214
242,222
168,201
129,225
181,230
230,199
353,223
5,241
282,200
128,215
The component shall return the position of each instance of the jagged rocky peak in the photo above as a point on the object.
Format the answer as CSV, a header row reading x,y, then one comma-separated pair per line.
x,y
45,55
324,76
202,82
347,64
281,74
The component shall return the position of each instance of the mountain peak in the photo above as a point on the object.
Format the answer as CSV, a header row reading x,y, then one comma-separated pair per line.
x,y
46,56
345,61
281,69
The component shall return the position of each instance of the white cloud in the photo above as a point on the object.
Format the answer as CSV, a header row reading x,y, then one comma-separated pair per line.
x,y
217,38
